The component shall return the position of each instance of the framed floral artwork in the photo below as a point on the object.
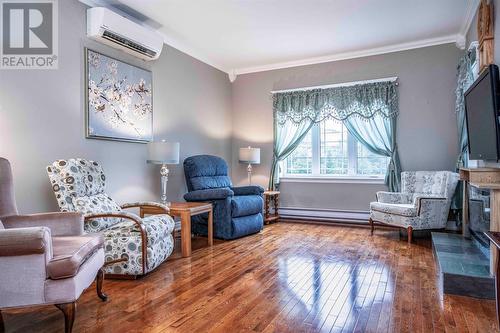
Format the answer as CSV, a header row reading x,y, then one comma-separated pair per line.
x,y
119,101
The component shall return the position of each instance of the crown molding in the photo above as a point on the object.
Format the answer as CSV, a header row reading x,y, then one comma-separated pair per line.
x,y
167,40
232,76
192,53
459,39
470,12
352,55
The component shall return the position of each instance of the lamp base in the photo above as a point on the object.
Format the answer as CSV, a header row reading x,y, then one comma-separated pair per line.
x,y
249,171
164,179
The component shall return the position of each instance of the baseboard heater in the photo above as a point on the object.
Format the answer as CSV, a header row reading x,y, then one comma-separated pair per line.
x,y
324,215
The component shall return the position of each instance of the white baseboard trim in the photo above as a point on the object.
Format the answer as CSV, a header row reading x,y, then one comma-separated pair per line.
x,y
326,215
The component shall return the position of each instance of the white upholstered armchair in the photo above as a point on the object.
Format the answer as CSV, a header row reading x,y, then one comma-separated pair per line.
x,y
423,203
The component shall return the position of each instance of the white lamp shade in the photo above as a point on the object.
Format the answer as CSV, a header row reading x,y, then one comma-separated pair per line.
x,y
163,152
250,155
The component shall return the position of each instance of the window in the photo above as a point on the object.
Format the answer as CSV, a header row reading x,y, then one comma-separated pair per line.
x,y
334,150
300,161
328,150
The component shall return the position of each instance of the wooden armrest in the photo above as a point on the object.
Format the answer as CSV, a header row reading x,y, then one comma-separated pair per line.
x,y
136,219
125,215
146,204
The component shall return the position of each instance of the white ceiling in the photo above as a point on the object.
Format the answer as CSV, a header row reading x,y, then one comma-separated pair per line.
x,y
241,36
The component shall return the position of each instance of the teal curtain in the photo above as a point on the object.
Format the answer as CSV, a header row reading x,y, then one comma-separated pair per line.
x,y
369,111
378,134
286,138
465,77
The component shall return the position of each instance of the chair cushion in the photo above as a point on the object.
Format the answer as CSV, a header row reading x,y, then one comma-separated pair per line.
x,y
397,209
75,178
429,182
99,203
246,205
154,224
206,172
246,225
209,182
70,252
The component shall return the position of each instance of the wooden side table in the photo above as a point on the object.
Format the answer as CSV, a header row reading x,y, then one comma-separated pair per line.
x,y
494,237
268,196
185,210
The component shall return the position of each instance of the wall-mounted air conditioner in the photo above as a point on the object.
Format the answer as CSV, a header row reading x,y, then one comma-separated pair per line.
x,y
119,32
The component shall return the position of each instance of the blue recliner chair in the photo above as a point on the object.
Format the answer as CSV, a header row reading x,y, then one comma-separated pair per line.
x,y
237,210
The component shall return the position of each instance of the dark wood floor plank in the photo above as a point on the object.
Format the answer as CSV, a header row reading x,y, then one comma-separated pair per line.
x,y
289,278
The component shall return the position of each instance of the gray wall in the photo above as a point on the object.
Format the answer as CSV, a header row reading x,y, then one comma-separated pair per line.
x,y
42,119
426,133
471,34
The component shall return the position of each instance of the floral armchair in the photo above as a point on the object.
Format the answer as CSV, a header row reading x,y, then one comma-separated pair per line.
x,y
423,203
133,245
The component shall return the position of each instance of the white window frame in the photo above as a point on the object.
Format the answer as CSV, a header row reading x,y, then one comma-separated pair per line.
x,y
317,177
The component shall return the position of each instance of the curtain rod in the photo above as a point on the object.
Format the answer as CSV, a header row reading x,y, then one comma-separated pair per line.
x,y
346,84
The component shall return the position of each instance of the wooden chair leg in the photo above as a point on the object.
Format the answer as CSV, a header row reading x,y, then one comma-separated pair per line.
x,y
99,282
69,311
410,234
372,227
2,327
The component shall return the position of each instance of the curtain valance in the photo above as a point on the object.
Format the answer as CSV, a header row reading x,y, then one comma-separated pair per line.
x,y
340,103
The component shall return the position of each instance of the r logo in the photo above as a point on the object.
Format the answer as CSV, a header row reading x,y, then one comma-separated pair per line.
x,y
27,28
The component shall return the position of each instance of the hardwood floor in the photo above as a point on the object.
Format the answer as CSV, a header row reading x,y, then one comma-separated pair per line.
x,y
289,278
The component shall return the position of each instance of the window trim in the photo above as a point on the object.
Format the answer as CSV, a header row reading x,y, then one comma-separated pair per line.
x,y
380,180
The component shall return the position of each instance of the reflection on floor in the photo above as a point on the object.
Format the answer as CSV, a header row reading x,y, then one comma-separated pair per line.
x,y
289,278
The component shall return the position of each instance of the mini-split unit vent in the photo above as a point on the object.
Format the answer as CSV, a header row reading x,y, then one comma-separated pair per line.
x,y
119,32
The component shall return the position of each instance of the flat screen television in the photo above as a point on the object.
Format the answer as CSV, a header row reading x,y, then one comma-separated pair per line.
x,y
481,109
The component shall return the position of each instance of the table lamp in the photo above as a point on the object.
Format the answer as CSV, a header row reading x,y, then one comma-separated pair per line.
x,y
163,153
251,156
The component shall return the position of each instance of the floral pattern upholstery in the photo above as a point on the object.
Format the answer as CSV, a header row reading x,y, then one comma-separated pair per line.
x,y
424,201
398,209
123,240
99,203
79,185
393,197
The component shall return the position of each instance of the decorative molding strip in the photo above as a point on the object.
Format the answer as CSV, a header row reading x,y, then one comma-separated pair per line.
x,y
352,55
331,215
